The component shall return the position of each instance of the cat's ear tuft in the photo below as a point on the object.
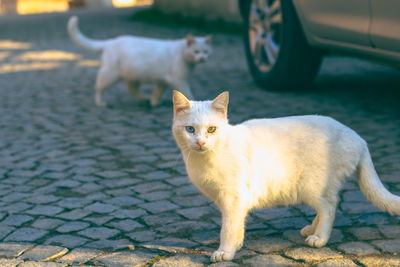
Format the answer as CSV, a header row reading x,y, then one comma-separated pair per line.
x,y
190,40
180,102
220,103
208,39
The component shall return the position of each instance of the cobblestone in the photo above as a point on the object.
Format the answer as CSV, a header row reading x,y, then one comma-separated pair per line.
x,y
70,241
26,234
123,259
10,262
268,260
390,231
182,261
126,225
79,255
391,246
365,233
372,261
42,253
157,195
101,208
16,220
45,210
357,248
99,232
224,264
39,264
172,243
109,184
109,245
132,214
337,263
72,226
142,236
312,254
268,245
74,214
5,230
12,249
196,213
159,206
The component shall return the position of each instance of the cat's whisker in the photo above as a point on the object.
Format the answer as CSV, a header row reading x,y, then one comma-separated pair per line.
x,y
188,156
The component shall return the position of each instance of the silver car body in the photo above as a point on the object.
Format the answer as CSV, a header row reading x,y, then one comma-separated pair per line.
x,y
364,27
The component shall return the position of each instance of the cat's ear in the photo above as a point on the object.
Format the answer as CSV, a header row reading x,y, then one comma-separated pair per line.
x,y
180,102
208,39
190,40
220,103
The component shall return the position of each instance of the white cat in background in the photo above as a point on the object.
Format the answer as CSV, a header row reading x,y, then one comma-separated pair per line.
x,y
142,60
269,162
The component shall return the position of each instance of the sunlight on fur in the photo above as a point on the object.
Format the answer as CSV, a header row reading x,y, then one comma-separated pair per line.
x,y
263,163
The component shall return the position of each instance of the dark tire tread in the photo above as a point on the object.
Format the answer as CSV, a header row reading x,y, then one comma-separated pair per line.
x,y
297,63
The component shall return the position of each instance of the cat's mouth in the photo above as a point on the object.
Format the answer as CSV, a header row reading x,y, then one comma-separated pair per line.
x,y
200,149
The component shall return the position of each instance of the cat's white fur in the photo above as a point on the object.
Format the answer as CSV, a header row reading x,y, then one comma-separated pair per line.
x,y
143,60
268,162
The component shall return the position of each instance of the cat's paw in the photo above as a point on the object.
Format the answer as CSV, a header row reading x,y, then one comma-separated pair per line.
x,y
221,255
316,241
307,230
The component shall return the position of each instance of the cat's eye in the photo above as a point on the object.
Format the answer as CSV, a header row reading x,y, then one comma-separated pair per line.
x,y
211,129
196,51
189,129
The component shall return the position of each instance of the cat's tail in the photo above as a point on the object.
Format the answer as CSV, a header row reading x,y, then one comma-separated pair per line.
x,y
373,188
80,39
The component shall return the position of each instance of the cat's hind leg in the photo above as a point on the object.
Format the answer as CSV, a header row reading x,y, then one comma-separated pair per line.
x,y
105,78
160,88
133,88
309,229
324,221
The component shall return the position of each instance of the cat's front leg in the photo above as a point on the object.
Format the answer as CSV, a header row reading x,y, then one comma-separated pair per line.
x,y
232,231
160,88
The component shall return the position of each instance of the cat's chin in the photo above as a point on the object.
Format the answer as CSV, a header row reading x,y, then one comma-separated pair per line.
x,y
200,150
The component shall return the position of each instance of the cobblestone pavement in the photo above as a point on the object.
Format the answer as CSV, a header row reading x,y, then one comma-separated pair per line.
x,y
107,186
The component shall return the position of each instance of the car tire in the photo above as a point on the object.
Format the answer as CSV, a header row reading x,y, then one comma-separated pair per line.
x,y
277,52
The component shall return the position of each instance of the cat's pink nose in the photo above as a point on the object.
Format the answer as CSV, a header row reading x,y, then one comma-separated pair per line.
x,y
201,143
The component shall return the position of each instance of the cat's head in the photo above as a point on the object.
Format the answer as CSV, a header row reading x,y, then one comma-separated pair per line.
x,y
199,125
197,49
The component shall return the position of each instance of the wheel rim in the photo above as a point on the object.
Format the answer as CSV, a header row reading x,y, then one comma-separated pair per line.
x,y
265,20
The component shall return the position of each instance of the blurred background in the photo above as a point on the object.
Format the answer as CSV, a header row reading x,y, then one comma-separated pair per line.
x,y
77,176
